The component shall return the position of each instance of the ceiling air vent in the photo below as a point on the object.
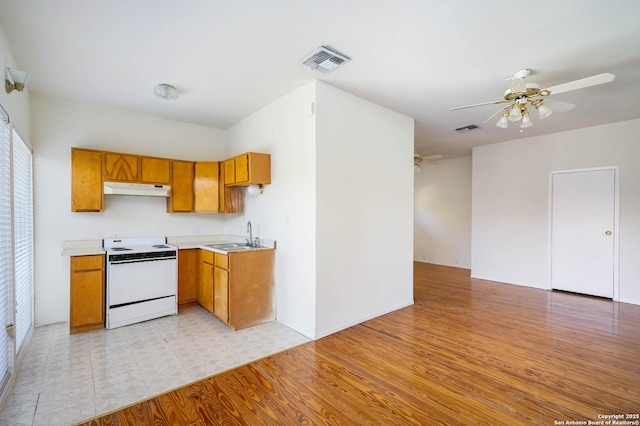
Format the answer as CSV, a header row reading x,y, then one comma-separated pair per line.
x,y
469,128
324,59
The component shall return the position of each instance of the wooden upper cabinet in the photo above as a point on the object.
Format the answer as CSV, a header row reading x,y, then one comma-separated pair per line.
x,y
229,171
155,170
120,167
242,168
206,187
247,169
181,199
86,181
201,187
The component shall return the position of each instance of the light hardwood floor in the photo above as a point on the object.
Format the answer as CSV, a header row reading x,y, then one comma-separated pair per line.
x,y
468,352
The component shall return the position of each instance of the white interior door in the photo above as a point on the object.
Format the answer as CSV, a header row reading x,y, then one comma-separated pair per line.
x,y
582,231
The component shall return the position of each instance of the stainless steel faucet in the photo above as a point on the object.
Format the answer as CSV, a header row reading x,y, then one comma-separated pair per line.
x,y
250,231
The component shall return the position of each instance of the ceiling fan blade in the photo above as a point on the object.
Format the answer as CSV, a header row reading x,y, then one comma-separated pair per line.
x,y
558,106
475,105
493,117
581,84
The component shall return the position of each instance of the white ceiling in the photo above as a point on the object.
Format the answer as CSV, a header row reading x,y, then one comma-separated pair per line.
x,y
418,57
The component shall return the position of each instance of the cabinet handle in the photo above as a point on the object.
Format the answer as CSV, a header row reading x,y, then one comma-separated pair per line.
x,y
607,233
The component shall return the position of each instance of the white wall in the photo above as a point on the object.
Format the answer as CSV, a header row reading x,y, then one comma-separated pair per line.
x,y
285,211
442,213
510,201
364,205
332,214
16,104
58,125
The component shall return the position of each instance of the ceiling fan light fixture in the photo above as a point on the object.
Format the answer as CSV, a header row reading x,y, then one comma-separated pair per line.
x,y
503,123
543,110
515,114
526,121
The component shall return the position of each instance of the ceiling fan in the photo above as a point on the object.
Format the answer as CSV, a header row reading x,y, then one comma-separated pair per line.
x,y
417,160
524,96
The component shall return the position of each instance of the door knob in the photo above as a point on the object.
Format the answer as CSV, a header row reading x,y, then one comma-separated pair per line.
x,y
607,233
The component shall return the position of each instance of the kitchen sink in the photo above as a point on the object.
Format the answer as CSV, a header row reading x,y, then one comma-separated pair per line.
x,y
231,246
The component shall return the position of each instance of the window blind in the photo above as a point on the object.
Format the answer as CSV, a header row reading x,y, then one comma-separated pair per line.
x,y
23,237
5,244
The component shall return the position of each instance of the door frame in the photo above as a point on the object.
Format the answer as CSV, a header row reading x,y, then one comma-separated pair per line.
x,y
616,223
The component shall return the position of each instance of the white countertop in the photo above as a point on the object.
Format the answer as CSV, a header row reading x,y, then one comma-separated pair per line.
x,y
91,247
82,248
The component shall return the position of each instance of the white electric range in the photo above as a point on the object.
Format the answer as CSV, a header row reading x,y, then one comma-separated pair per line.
x,y
142,280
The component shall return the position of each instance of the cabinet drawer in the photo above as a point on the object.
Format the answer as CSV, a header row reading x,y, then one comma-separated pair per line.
x,y
222,261
86,263
207,256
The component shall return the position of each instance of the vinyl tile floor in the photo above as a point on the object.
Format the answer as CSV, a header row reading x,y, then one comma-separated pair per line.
x,y
65,379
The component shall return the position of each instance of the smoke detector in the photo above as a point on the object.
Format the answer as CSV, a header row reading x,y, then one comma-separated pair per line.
x,y
324,59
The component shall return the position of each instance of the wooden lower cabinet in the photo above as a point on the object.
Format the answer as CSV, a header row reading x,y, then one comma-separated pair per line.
x,y
187,276
243,287
221,287
205,282
86,293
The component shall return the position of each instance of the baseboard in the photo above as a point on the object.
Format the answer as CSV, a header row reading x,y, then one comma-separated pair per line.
x,y
361,320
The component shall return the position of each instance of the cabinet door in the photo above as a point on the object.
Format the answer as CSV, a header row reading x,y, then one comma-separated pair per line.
x,y
155,170
120,167
259,168
181,199
221,189
251,286
229,171
206,294
206,187
86,181
221,294
87,293
187,275
242,168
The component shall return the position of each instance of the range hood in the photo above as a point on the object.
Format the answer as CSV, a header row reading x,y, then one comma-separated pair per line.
x,y
140,189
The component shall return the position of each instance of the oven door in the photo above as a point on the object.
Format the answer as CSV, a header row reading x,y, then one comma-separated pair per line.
x,y
141,280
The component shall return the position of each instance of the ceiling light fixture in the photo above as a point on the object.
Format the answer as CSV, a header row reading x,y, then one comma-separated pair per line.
x,y
15,80
503,123
521,94
255,189
166,91
519,114
543,110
